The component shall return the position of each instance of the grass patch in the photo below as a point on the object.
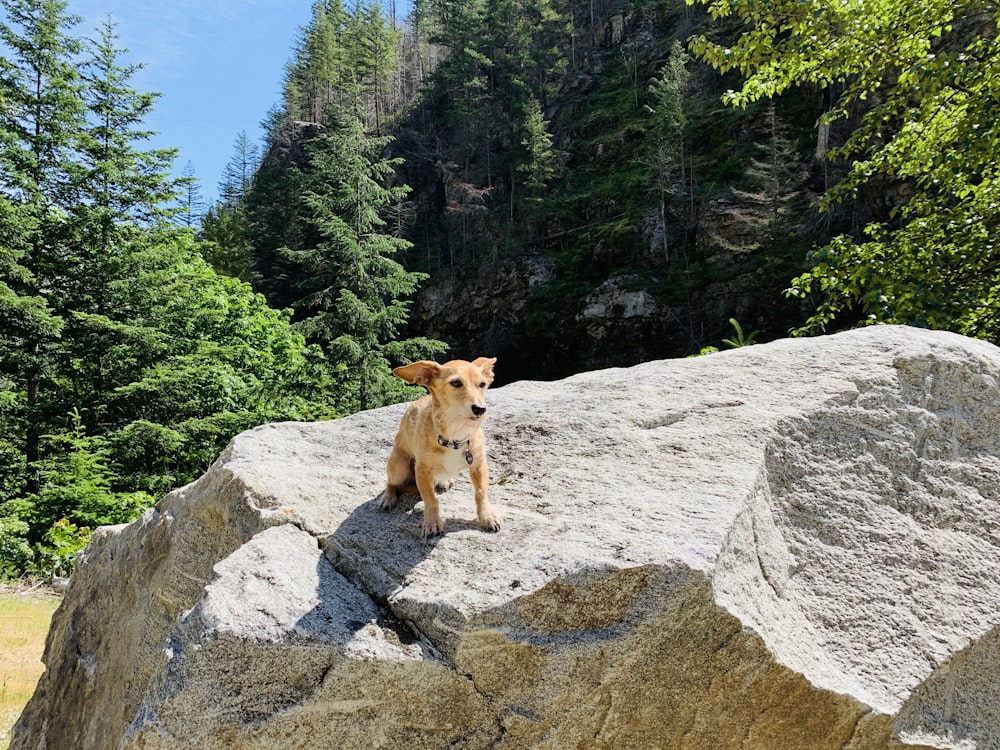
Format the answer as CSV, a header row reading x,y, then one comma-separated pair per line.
x,y
24,623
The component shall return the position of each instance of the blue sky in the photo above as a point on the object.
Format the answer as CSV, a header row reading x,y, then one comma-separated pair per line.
x,y
218,65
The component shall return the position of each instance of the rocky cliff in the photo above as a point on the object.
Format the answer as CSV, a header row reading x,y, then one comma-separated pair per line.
x,y
792,545
609,264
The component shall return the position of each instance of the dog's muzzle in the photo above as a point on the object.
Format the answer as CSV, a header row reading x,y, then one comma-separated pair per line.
x,y
478,410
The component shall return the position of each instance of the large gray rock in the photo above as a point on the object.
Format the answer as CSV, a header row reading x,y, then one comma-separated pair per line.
x,y
793,545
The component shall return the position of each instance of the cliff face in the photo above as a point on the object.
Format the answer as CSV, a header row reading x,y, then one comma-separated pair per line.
x,y
516,309
608,267
790,545
564,224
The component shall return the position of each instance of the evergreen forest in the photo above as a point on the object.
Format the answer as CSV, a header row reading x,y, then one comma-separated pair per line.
x,y
563,184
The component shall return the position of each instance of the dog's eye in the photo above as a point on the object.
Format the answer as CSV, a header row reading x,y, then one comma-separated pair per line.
x,y
456,383
482,385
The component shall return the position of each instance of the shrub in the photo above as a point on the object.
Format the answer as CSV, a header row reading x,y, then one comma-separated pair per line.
x,y
15,551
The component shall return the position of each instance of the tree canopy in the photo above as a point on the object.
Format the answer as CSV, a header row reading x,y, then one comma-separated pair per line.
x,y
354,292
541,155
917,86
126,362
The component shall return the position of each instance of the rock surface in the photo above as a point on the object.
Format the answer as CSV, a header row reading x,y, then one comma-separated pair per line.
x,y
791,545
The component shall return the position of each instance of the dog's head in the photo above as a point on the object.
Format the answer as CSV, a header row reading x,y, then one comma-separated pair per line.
x,y
457,387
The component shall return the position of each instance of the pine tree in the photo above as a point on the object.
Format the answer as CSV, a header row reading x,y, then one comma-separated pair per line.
x,y
666,156
422,53
463,76
373,44
238,175
502,55
107,313
223,240
191,205
342,62
125,180
317,73
224,231
354,304
78,482
772,180
125,191
28,327
522,42
42,113
274,210
541,162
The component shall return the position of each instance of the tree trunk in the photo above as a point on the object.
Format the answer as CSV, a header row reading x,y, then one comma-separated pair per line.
x,y
32,437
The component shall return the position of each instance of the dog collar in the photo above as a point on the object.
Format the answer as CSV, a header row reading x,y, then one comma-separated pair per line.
x,y
455,445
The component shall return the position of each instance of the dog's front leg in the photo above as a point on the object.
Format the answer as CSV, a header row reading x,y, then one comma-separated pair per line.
x,y
489,519
433,523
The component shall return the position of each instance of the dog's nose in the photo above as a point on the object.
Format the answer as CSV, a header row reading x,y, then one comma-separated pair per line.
x,y
478,410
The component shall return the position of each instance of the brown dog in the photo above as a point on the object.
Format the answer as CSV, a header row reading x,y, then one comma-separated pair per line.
x,y
441,434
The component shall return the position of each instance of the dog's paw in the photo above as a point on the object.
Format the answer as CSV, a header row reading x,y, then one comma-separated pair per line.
x,y
387,500
433,525
490,520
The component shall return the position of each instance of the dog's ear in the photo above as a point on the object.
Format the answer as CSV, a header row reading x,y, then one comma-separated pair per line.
x,y
485,364
420,373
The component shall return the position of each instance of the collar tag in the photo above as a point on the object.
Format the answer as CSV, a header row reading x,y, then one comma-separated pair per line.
x,y
455,445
